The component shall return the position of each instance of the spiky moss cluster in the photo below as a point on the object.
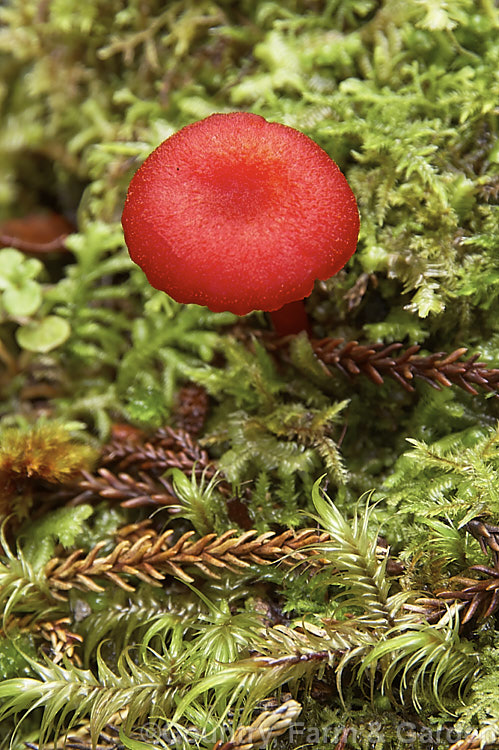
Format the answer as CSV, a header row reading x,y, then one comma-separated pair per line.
x,y
403,96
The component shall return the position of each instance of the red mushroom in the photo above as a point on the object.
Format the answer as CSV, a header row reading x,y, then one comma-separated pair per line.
x,y
240,214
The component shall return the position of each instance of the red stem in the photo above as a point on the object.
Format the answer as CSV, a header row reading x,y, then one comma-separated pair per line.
x,y
290,319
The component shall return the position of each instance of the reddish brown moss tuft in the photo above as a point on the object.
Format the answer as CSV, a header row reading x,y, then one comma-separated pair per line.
x,y
42,453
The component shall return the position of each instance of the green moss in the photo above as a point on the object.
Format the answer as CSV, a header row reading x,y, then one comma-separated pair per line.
x,y
403,95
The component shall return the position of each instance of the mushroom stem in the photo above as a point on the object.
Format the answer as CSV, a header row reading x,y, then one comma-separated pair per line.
x,y
290,319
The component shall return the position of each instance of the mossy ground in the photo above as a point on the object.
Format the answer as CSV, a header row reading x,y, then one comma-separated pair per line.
x,y
404,95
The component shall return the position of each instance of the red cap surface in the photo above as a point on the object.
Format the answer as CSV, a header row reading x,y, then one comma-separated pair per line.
x,y
240,214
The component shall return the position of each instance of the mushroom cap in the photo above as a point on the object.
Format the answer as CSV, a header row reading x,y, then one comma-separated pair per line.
x,y
240,214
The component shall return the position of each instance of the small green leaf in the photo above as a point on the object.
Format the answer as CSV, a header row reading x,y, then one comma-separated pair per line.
x,y
43,335
15,268
10,260
31,267
22,300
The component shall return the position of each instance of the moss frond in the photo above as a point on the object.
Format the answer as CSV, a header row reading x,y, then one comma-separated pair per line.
x,y
69,694
458,472
428,660
352,551
22,588
200,502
